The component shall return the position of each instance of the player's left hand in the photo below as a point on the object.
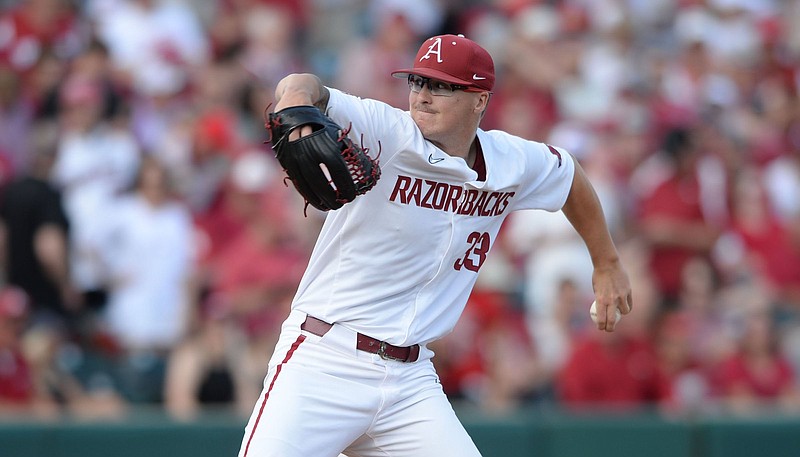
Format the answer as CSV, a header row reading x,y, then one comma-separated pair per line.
x,y
612,290
326,167
296,134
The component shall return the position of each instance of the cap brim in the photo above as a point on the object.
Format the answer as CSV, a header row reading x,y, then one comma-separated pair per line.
x,y
433,74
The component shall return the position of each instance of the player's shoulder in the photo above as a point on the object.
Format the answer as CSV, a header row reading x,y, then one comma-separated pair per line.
x,y
504,141
528,153
338,96
376,120
340,102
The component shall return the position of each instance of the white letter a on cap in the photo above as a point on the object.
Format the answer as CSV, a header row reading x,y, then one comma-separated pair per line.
x,y
435,48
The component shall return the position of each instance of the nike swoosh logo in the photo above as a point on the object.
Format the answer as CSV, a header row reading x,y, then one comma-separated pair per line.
x,y
433,160
476,77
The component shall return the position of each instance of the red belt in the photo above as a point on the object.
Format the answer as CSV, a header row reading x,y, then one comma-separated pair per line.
x,y
366,343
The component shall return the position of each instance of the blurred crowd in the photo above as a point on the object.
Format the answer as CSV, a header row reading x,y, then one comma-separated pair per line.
x,y
151,247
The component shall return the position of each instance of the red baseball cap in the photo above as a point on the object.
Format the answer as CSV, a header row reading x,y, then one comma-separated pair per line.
x,y
453,59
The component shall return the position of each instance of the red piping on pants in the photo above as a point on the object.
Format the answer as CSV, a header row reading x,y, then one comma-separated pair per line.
x,y
294,347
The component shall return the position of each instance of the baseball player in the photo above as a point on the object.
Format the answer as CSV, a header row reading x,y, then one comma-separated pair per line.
x,y
392,270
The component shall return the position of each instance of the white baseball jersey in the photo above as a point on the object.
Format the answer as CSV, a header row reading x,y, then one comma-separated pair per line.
x,y
399,262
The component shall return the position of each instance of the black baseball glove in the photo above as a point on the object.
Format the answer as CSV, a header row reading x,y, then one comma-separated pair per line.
x,y
326,167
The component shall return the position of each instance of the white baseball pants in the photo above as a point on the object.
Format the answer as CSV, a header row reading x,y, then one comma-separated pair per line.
x,y
323,397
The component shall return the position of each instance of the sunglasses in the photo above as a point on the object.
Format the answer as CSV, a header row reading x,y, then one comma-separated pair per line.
x,y
437,88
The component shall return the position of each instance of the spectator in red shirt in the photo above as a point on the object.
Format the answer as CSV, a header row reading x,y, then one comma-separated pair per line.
x,y
674,336
257,269
35,27
758,375
18,392
16,385
619,371
768,250
672,216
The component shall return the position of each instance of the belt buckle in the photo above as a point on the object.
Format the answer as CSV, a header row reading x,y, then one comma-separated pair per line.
x,y
382,353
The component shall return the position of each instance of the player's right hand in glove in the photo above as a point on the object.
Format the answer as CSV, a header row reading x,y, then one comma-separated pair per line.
x,y
326,167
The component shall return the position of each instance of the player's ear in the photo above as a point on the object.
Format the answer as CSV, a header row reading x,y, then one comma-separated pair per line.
x,y
481,102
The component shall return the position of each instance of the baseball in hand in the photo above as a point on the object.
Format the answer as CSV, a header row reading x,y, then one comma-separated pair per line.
x,y
593,313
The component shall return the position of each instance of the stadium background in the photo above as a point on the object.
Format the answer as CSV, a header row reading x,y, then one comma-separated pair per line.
x,y
152,248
